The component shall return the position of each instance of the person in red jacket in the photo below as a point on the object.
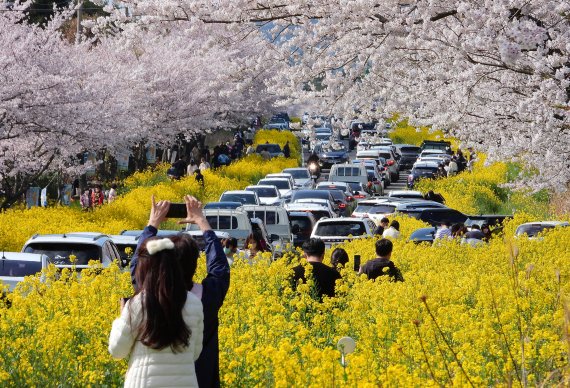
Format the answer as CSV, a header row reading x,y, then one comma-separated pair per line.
x,y
97,197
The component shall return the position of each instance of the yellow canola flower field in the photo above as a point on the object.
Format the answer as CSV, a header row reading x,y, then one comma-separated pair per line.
x,y
493,315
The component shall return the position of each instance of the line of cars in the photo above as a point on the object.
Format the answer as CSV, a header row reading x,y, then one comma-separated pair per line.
x,y
309,213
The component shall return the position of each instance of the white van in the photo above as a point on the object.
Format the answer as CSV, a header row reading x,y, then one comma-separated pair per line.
x,y
348,173
275,219
234,222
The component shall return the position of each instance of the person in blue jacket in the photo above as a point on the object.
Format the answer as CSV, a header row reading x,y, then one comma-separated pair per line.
x,y
214,286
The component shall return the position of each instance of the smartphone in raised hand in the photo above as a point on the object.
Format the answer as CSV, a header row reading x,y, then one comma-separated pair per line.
x,y
177,210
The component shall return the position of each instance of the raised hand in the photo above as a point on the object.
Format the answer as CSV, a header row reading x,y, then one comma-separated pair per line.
x,y
194,213
158,212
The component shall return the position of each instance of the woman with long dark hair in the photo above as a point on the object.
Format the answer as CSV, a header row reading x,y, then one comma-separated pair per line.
x,y
161,327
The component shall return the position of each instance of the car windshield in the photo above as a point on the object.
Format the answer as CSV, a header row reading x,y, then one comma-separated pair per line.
x,y
298,174
410,150
322,194
347,228
59,253
241,198
375,209
337,195
354,186
304,223
19,268
323,136
533,230
264,192
280,184
334,147
424,170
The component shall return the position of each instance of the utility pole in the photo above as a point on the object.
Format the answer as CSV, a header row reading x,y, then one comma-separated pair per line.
x,y
79,27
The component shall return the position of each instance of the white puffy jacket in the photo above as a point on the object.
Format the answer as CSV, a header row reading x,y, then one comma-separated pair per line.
x,y
157,368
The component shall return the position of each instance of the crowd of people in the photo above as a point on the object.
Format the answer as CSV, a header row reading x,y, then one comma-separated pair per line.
x,y
169,328
95,197
458,163
477,234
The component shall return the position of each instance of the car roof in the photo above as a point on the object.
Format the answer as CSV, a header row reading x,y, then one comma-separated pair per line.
x,y
199,233
74,237
275,178
547,223
22,256
342,219
295,169
223,204
426,164
262,187
237,192
294,213
404,192
305,205
160,233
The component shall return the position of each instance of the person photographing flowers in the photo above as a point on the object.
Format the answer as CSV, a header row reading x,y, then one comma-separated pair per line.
x,y
161,328
213,289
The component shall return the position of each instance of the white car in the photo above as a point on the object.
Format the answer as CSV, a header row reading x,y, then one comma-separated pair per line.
x,y
282,175
283,185
242,196
317,210
74,249
532,229
268,195
338,230
412,194
375,209
14,266
301,177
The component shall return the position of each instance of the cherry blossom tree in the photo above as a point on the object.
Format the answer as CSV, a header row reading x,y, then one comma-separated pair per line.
x,y
493,73
131,84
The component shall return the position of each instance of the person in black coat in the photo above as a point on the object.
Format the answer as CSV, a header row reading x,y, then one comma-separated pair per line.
x,y
382,265
214,287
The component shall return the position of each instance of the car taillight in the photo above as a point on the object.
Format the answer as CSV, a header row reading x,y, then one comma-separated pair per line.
x,y
390,162
342,205
359,196
349,198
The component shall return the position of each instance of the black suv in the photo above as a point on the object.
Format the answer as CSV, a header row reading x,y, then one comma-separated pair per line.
x,y
409,155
